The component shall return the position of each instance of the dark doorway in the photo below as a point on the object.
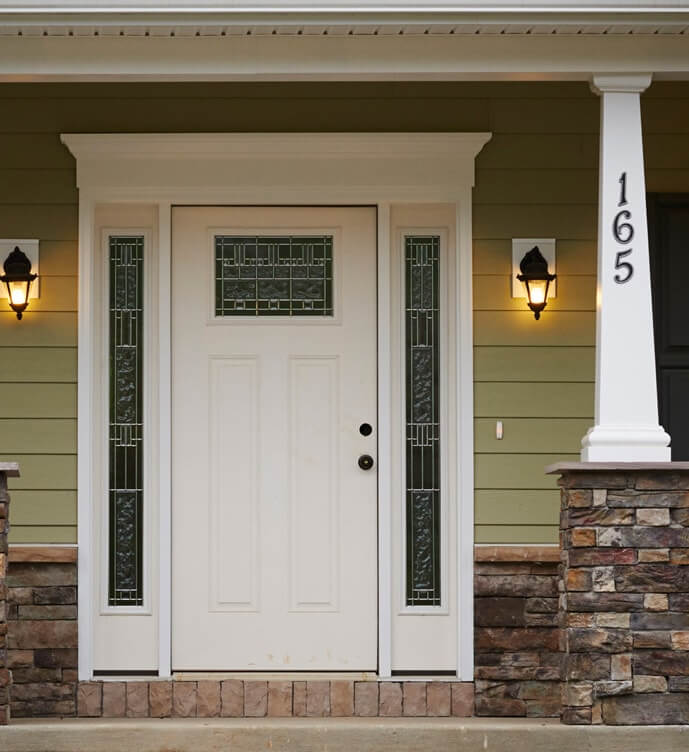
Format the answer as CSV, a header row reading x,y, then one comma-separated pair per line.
x,y
668,231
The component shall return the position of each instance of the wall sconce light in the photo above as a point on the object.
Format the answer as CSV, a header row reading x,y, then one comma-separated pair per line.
x,y
533,271
537,278
18,278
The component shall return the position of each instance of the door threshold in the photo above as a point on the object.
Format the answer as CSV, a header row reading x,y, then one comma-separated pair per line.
x,y
275,675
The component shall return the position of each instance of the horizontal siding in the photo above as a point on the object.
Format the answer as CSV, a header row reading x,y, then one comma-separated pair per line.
x,y
43,534
38,329
37,400
37,186
523,471
43,471
512,507
518,328
535,435
571,222
533,399
38,364
38,436
50,507
536,177
508,363
520,186
506,534
59,257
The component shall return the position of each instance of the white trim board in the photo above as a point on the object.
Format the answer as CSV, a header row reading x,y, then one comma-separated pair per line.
x,y
318,57
162,170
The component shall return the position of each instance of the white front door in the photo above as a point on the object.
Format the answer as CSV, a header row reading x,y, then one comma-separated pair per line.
x,y
273,383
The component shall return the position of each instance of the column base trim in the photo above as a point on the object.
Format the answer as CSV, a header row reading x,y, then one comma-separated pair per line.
x,y
626,444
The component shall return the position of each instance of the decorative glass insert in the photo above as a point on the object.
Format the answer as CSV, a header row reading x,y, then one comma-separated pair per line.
x,y
422,384
287,275
126,265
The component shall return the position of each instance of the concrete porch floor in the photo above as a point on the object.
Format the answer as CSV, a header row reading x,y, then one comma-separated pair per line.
x,y
333,735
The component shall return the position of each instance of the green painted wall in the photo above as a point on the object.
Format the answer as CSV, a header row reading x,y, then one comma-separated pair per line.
x,y
537,177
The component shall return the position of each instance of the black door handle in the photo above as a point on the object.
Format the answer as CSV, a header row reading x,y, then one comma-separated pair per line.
x,y
365,462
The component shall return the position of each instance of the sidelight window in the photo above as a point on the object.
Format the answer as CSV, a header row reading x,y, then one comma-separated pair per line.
x,y
422,395
126,429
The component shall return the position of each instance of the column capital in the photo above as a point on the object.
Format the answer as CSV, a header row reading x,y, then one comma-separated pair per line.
x,y
621,83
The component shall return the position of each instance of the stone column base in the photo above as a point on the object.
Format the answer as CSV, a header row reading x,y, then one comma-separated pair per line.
x,y
624,605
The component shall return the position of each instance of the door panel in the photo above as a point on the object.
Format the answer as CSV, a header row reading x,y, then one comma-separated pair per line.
x,y
274,369
669,244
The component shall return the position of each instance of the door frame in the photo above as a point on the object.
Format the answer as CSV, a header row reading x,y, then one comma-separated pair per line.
x,y
162,170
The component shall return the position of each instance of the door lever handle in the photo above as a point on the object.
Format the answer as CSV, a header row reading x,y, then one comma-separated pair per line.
x,y
365,462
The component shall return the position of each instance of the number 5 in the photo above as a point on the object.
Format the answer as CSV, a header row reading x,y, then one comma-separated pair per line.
x,y
619,264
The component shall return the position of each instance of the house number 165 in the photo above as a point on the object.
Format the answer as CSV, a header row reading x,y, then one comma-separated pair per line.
x,y
623,232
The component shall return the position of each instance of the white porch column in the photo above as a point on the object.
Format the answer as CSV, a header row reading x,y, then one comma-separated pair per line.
x,y
626,428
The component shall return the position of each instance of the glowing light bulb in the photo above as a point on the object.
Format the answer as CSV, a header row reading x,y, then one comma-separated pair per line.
x,y
18,293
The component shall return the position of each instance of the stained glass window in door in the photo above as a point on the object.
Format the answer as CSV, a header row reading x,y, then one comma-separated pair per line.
x,y
270,275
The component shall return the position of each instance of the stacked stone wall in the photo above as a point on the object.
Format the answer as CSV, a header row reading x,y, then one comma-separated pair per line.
x,y
517,653
42,638
625,605
516,640
5,676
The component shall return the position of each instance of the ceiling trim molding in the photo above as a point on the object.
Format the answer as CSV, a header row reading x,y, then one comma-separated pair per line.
x,y
345,58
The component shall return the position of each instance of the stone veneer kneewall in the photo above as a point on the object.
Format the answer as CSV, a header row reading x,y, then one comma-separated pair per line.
x,y
42,655
625,605
4,670
517,664
516,641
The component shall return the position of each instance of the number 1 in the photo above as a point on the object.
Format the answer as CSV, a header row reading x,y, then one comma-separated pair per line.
x,y
623,189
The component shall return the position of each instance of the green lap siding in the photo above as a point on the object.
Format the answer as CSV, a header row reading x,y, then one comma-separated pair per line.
x,y
537,177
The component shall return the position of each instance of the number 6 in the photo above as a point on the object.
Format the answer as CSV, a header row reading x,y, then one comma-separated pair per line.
x,y
622,227
623,265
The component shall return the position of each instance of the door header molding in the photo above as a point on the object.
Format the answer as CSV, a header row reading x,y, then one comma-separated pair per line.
x,y
332,166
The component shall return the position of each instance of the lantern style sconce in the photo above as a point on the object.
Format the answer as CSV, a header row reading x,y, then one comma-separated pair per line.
x,y
535,272
18,278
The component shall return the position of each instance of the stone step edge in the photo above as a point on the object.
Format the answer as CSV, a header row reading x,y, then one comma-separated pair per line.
x,y
335,735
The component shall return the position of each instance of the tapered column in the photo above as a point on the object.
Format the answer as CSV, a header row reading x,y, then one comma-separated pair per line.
x,y
626,428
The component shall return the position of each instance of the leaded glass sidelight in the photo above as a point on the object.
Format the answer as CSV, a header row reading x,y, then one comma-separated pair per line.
x,y
422,384
126,266
287,275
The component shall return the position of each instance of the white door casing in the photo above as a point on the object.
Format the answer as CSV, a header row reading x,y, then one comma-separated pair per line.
x,y
162,170
274,531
